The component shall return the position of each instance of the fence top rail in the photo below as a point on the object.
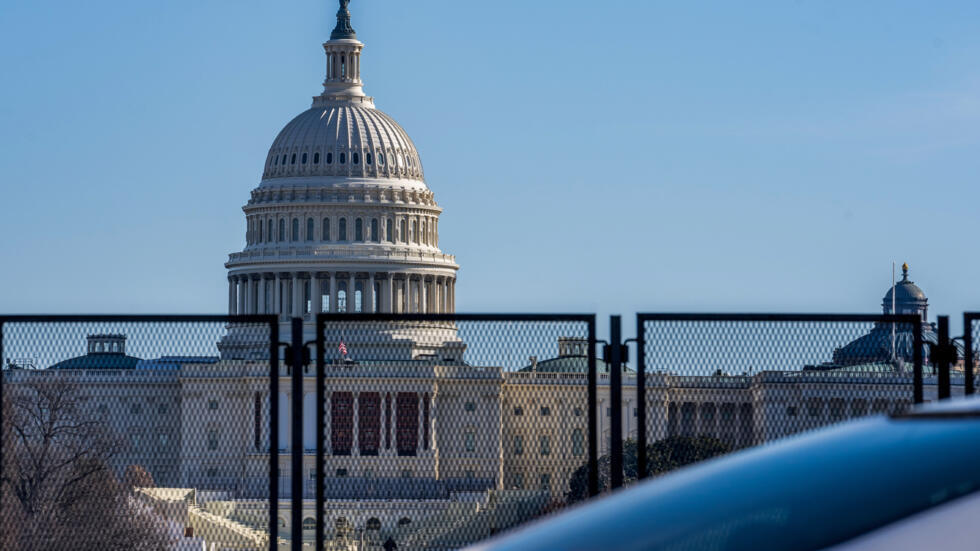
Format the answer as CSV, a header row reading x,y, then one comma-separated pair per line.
x,y
334,317
710,316
139,318
971,316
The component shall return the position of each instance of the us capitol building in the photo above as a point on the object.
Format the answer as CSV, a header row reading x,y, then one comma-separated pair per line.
x,y
421,446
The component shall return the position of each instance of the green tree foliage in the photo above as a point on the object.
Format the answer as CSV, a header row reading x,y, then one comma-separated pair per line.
x,y
662,456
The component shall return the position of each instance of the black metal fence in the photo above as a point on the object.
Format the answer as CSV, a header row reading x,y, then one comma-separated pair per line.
x,y
438,431
706,384
138,432
423,431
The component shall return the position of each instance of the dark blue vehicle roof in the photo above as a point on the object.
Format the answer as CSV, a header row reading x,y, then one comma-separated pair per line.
x,y
805,492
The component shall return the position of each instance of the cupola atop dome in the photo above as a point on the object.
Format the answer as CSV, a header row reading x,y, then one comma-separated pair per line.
x,y
908,297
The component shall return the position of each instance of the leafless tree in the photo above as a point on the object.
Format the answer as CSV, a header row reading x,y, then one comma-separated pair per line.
x,y
63,493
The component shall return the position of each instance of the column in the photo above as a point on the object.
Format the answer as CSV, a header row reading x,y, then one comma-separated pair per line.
x,y
333,292
452,295
390,307
277,295
316,300
297,295
261,305
231,296
406,291
445,295
242,294
252,293
355,437
423,296
369,295
351,293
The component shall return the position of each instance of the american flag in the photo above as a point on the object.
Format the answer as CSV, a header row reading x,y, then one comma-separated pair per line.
x,y
342,348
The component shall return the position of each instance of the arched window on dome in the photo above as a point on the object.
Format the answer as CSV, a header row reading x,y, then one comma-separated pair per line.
x,y
381,158
355,158
282,229
293,160
389,236
367,158
404,233
329,158
274,160
326,229
295,236
303,161
284,157
358,230
316,158
309,229
414,236
342,233
374,231
343,158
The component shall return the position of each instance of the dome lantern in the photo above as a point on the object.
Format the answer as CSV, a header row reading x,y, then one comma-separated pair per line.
x,y
343,60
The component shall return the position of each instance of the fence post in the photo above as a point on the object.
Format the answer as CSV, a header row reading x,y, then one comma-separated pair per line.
x,y
591,382
616,403
942,357
967,354
296,471
274,435
320,432
641,401
917,361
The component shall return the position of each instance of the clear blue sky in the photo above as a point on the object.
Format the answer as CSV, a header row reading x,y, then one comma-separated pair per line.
x,y
590,156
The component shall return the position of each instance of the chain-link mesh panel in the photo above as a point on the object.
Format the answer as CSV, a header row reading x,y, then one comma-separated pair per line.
x,y
718,384
442,432
971,332
135,435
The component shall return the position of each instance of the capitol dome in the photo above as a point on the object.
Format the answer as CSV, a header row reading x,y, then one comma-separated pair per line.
x,y
342,220
343,139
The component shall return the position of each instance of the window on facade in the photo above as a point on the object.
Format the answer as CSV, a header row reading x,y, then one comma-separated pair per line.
x,y
545,411
309,229
342,296
791,411
295,236
212,472
358,230
373,524
469,440
518,411
367,158
343,229
268,234
469,406
544,482
326,229
309,524
404,233
292,161
329,158
316,158
545,444
282,229
136,409
518,444
518,481
404,521
284,157
388,231
162,409
303,160
381,158
578,442
375,238
212,439
355,158
414,236
343,158
274,161
341,473
259,240
212,405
